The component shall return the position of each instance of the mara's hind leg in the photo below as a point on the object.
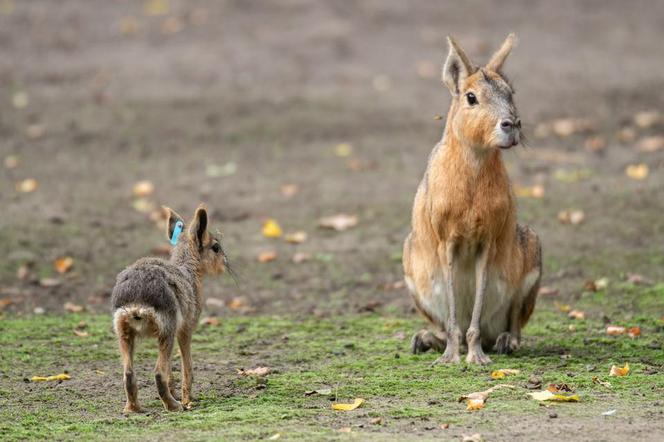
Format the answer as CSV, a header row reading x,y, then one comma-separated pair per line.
x,y
425,340
184,341
127,340
509,341
162,374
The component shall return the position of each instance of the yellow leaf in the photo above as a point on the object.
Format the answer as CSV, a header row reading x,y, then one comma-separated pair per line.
x,y
637,171
546,395
619,371
296,237
565,308
536,191
27,186
57,377
63,264
343,150
474,404
500,374
156,7
348,407
143,188
271,229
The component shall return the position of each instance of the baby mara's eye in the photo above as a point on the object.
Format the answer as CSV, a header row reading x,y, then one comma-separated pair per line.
x,y
216,247
472,99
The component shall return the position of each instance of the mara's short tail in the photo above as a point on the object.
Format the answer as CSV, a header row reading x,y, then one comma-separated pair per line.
x,y
140,319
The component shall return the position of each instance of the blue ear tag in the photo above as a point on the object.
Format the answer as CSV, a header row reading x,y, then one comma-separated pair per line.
x,y
176,232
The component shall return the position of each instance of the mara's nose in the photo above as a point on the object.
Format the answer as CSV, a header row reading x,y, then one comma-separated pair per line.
x,y
507,125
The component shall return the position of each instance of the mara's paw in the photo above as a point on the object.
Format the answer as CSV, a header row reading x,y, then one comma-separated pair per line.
x,y
506,344
477,356
129,409
451,356
173,406
424,340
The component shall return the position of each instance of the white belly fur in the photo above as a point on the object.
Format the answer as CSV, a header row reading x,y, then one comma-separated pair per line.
x,y
495,311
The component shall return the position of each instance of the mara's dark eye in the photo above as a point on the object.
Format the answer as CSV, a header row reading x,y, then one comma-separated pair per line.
x,y
216,248
472,99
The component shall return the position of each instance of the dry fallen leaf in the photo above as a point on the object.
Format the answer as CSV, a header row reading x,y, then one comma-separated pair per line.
x,y
128,26
143,188
289,190
210,320
646,119
573,217
503,372
564,127
565,308
477,437
171,25
547,291
444,426
597,380
57,377
81,333
27,186
338,222
144,205
73,308
156,7
301,257
619,371
615,330
258,371
651,144
35,131
577,314
595,144
63,264
637,171
275,436
296,237
536,191
637,279
476,401
345,430
49,282
348,407
343,150
546,395
271,229
376,421
12,161
626,135
560,388
267,256
634,332
5,302
20,100
238,303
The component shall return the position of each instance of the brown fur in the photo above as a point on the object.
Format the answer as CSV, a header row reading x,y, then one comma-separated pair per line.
x,y
162,299
464,221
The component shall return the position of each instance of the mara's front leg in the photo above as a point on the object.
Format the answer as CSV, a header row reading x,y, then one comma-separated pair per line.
x,y
475,353
451,354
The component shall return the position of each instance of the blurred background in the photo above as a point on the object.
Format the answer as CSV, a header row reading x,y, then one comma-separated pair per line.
x,y
317,118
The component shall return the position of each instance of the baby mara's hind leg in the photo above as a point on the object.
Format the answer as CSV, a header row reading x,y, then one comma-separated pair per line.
x,y
163,373
127,341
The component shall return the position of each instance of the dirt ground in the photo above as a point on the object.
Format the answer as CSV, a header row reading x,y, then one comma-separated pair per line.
x,y
227,101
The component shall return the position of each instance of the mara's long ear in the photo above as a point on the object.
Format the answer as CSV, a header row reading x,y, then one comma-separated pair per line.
x,y
172,217
457,67
498,59
198,227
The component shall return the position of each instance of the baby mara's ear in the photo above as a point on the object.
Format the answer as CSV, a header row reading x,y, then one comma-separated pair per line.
x,y
198,228
173,218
